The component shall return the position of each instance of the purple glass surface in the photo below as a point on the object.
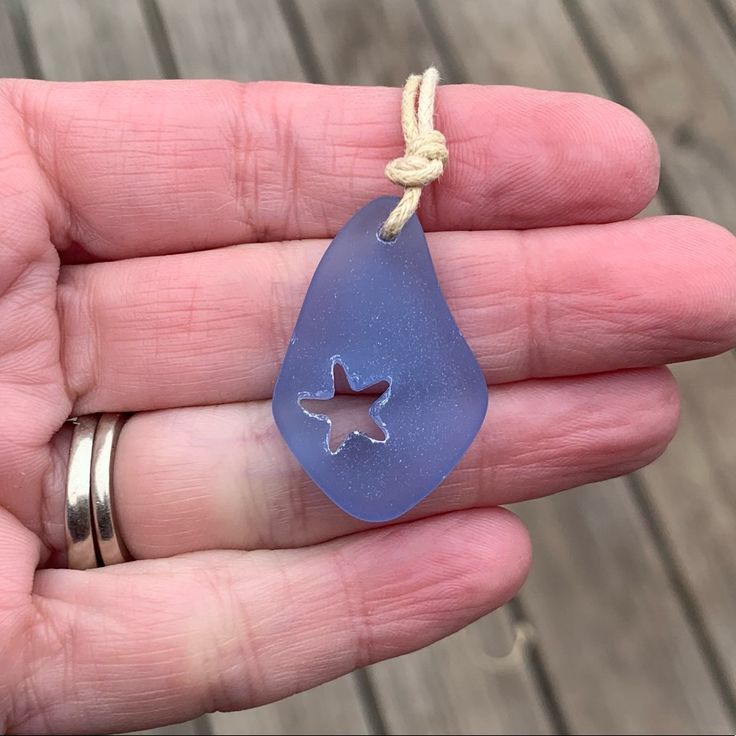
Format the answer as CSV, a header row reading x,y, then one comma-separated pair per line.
x,y
376,309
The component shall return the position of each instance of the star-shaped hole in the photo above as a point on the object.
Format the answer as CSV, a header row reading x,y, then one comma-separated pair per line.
x,y
348,412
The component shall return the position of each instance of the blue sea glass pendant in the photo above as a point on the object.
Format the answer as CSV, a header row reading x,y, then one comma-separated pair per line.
x,y
376,309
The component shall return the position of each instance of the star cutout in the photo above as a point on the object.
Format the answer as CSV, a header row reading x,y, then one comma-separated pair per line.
x,y
348,413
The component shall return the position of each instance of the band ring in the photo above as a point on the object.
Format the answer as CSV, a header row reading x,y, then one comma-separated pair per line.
x,y
92,535
80,545
110,545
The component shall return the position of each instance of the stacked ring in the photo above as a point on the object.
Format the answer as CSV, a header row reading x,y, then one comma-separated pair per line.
x,y
92,535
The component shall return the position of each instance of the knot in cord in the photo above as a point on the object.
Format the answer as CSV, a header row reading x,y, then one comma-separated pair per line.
x,y
422,163
425,153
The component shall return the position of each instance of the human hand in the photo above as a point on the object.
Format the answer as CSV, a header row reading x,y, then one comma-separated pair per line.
x,y
249,584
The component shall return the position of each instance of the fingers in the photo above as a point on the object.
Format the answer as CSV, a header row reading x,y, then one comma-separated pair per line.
x,y
213,327
221,477
160,167
154,642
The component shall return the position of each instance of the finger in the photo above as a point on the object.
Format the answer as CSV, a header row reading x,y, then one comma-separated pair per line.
x,y
158,641
159,167
20,553
221,477
213,327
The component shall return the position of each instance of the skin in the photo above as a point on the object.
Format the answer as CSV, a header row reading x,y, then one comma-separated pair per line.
x,y
156,240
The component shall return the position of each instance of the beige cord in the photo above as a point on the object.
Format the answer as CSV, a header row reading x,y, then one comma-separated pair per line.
x,y
425,152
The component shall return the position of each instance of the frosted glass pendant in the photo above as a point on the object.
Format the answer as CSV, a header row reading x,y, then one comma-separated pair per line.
x,y
376,309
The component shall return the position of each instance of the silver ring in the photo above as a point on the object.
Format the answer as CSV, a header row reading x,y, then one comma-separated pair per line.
x,y
80,544
110,545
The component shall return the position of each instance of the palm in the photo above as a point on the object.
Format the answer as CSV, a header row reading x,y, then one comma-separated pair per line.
x,y
569,325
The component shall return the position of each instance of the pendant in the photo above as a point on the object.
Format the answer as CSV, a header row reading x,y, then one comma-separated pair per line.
x,y
375,309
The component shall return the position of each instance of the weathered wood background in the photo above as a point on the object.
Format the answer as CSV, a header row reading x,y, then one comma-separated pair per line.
x,y
628,621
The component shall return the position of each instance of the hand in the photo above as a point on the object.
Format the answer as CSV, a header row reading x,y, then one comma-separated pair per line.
x,y
249,584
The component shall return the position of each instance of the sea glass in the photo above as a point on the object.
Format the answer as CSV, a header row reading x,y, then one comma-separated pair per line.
x,y
376,308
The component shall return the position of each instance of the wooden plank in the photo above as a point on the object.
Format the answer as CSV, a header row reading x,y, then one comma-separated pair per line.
x,y
609,623
233,39
11,63
188,728
328,709
681,81
693,491
676,63
79,40
726,9
497,40
477,681
525,42
368,42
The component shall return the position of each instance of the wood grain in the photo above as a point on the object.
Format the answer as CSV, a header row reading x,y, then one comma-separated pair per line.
x,y
475,682
693,490
616,638
727,9
367,42
675,62
188,728
81,40
231,39
333,708
525,42
11,64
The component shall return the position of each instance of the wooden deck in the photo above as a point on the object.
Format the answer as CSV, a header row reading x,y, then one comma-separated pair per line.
x,y
628,621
